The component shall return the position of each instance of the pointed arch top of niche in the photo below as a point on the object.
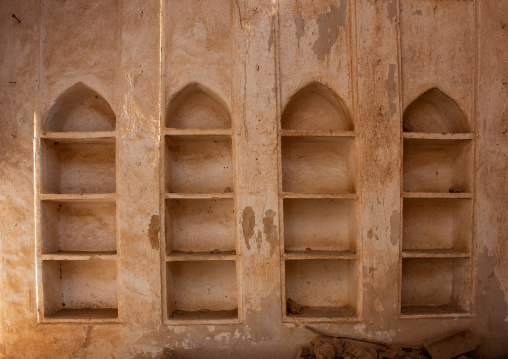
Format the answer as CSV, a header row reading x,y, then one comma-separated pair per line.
x,y
435,112
316,107
80,108
198,107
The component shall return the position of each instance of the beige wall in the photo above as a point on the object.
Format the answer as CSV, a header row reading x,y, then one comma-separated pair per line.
x,y
378,56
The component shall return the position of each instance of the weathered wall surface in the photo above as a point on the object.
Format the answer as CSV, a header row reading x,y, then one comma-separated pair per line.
x,y
378,56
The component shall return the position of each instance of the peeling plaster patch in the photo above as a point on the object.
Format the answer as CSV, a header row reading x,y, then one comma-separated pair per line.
x,y
379,305
491,305
391,88
222,336
395,228
300,27
248,223
417,12
153,231
211,328
328,25
270,230
380,335
391,9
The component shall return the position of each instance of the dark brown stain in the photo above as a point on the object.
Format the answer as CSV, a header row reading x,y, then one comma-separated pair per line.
x,y
153,231
270,230
329,25
300,27
370,233
259,240
248,223
391,88
395,228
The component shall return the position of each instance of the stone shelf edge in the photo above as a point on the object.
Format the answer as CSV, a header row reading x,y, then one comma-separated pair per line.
x,y
435,253
78,256
198,195
437,195
301,255
180,256
315,133
197,132
437,136
78,197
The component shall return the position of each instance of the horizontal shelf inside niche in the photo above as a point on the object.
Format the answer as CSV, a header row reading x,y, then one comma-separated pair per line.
x,y
201,290
198,164
325,288
200,225
318,165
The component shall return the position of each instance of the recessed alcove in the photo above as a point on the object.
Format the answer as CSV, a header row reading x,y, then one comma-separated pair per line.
x,y
437,224
318,164
437,166
86,166
201,290
80,108
78,226
200,225
319,225
325,288
80,289
435,112
435,286
199,164
196,107
316,107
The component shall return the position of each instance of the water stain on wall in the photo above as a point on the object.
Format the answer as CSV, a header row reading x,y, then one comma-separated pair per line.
x,y
329,25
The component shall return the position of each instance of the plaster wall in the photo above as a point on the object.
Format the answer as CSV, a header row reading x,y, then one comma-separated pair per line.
x,y
252,159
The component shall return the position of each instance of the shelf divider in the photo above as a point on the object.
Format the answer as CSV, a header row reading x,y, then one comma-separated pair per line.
x,y
435,253
465,195
302,255
311,133
197,132
78,256
198,195
78,197
437,136
180,256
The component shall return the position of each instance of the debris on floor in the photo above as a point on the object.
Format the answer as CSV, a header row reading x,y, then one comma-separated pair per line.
x,y
326,346
453,345
293,307
168,353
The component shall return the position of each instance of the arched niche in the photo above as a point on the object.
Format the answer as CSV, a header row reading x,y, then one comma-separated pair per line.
x,y
316,107
80,108
435,112
197,107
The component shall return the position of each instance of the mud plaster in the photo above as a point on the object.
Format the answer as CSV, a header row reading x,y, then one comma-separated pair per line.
x,y
391,9
329,24
491,305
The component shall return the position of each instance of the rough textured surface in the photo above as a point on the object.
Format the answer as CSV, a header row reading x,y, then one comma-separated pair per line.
x,y
251,58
